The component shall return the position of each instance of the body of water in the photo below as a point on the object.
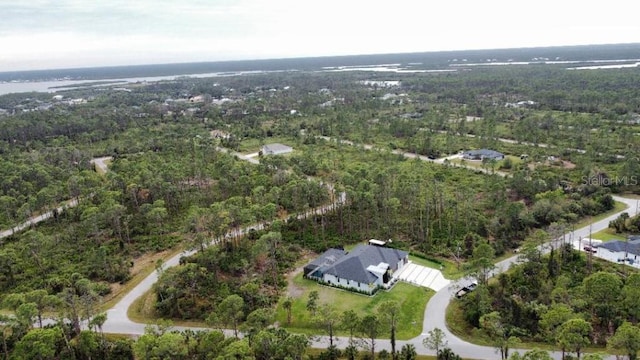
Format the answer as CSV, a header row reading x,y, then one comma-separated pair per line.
x,y
52,86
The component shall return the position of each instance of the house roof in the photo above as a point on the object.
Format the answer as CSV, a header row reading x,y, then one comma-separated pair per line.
x,y
622,246
485,153
276,148
327,258
353,266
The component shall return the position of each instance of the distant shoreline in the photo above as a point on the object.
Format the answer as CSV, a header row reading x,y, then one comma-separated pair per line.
x,y
422,60
584,58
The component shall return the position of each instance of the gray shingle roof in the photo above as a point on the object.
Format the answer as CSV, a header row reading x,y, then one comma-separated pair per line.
x,y
484,153
277,148
354,265
632,248
327,258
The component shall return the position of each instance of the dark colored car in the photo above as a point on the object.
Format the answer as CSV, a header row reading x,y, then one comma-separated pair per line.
x,y
467,289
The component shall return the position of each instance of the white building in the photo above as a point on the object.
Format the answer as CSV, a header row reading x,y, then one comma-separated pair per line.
x,y
366,268
620,251
276,149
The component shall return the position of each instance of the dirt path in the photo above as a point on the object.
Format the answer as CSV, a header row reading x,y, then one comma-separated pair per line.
x,y
294,290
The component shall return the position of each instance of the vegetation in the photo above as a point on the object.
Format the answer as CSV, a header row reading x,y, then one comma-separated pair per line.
x,y
174,182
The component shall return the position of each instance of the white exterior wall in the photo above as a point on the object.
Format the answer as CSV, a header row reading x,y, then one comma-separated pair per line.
x,y
613,256
331,279
609,255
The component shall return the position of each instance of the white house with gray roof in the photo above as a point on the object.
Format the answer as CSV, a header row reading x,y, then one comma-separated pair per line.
x,y
620,251
366,268
482,154
276,149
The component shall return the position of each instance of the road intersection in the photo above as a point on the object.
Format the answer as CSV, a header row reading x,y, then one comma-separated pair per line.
x,y
434,316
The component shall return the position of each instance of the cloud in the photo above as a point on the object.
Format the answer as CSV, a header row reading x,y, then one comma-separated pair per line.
x,y
42,33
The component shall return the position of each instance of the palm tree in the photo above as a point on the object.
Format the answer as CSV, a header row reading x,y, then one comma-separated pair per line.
x,y
408,352
287,304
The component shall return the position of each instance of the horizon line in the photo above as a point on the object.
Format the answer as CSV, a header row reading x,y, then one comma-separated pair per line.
x,y
261,59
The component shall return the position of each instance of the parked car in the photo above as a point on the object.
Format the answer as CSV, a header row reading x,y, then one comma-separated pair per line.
x,y
466,289
590,249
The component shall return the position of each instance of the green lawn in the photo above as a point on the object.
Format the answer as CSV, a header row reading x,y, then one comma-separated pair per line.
x,y
607,235
254,145
448,268
412,299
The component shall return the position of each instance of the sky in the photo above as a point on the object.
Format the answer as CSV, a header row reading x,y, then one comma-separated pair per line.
x,y
48,34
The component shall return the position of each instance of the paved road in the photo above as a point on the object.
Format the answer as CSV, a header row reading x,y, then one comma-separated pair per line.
x,y
434,316
512,141
100,164
36,219
443,161
117,319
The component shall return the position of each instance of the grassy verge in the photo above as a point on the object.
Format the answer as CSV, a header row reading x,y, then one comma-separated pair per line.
x,y
143,311
412,300
607,235
448,268
619,206
147,266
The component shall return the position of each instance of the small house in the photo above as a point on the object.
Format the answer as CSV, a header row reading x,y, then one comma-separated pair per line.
x,y
482,154
276,149
620,251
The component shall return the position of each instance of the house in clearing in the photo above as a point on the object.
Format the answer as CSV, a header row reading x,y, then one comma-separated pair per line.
x,y
620,251
482,154
275,149
365,268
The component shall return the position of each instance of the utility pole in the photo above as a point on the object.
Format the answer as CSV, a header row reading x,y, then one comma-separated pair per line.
x,y
626,254
589,265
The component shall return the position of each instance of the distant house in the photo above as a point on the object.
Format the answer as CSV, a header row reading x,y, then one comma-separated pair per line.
x,y
521,104
621,251
482,154
276,149
219,134
366,268
376,242
196,99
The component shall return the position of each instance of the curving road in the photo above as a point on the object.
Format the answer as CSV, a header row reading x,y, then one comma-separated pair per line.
x,y
117,319
36,219
512,141
101,165
434,316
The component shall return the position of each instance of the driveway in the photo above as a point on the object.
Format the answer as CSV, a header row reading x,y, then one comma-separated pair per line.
x,y
434,315
422,276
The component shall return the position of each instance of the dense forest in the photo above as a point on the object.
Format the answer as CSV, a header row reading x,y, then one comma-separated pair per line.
x,y
175,182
